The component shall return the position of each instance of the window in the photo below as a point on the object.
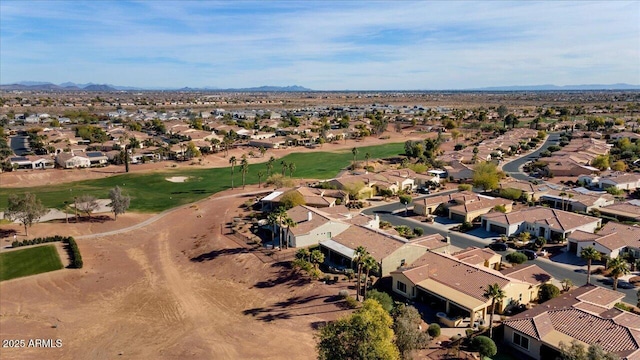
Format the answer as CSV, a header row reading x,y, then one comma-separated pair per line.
x,y
401,286
521,341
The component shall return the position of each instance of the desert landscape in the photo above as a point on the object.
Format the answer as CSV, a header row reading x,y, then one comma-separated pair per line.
x,y
173,289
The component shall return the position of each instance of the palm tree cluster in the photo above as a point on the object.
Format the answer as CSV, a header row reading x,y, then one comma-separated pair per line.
x,y
365,263
279,217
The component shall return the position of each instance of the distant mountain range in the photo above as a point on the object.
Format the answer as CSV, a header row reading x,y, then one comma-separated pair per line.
x,y
70,86
550,87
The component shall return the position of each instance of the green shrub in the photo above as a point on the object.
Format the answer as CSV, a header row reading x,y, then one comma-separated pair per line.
x,y
343,294
511,194
547,292
351,302
516,258
485,346
434,330
74,252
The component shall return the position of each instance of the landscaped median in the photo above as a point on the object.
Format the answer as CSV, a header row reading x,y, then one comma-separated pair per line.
x,y
37,259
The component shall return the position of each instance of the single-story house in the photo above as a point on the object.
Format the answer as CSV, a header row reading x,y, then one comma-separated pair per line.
x,y
311,227
67,160
575,201
624,211
456,288
586,315
531,191
460,206
314,197
612,240
390,251
552,224
620,181
97,158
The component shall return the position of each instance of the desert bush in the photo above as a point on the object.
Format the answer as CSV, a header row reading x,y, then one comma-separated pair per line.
x,y
351,302
434,330
343,294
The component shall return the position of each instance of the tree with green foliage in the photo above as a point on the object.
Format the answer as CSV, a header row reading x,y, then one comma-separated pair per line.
x,y
502,111
405,200
576,351
601,162
617,267
291,199
192,150
365,335
25,208
485,346
496,295
285,166
406,326
119,202
232,161
547,292
590,254
381,297
367,156
486,176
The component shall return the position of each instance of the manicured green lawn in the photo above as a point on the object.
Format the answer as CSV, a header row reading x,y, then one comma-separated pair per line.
x,y
35,260
151,192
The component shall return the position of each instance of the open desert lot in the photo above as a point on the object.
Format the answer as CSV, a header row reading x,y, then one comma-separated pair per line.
x,y
173,289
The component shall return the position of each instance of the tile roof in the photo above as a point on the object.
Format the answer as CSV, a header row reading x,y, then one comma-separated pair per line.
x,y
378,244
456,274
582,314
555,219
532,274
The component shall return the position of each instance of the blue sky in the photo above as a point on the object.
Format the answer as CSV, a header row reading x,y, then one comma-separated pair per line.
x,y
326,45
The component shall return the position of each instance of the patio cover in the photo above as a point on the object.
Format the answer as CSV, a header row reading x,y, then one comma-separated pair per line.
x,y
446,292
339,248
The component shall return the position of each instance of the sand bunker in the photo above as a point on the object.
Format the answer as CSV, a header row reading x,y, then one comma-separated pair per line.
x,y
177,179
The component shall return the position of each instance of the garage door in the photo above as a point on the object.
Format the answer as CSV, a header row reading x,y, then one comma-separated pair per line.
x,y
457,217
573,247
498,229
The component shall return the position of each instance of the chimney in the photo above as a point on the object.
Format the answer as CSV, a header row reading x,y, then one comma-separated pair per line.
x,y
309,216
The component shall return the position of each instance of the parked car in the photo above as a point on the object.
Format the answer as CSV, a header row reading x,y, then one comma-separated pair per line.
x,y
531,255
498,246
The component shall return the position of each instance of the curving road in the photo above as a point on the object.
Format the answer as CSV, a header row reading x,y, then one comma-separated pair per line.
x,y
514,168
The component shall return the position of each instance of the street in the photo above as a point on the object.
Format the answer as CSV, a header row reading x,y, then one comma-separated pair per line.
x,y
575,273
513,167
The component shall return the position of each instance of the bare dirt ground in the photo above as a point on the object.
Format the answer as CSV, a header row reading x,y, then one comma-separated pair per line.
x,y
57,176
176,288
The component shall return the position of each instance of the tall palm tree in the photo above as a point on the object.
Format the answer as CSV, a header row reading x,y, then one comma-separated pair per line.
x,y
618,267
292,168
569,196
270,165
290,224
233,161
368,264
354,151
359,255
260,175
496,294
367,156
590,254
285,166
263,150
273,219
244,168
562,195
